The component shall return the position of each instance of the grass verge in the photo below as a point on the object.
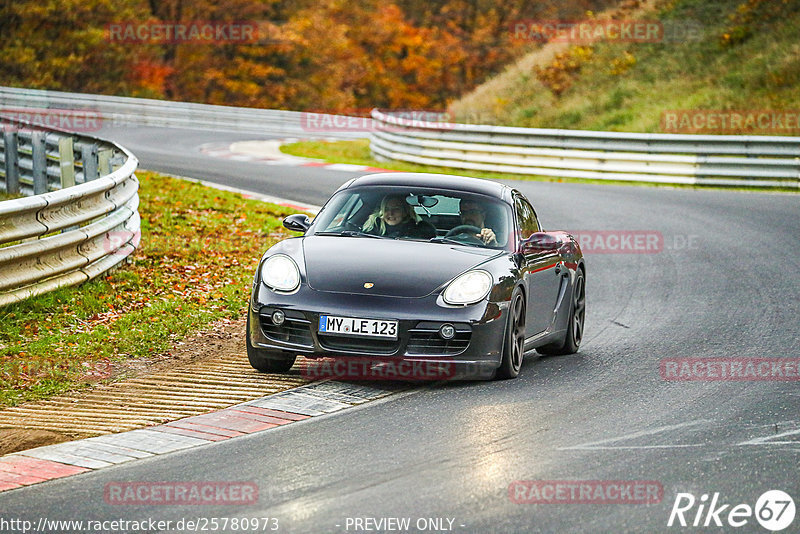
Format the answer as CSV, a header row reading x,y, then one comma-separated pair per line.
x,y
199,250
357,152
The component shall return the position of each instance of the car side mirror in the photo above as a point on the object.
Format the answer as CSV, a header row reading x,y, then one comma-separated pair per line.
x,y
299,222
541,242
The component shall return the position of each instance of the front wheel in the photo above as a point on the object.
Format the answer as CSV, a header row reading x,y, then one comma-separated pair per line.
x,y
574,334
266,361
514,341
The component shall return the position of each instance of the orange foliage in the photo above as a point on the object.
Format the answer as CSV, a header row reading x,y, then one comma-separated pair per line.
x,y
149,77
559,75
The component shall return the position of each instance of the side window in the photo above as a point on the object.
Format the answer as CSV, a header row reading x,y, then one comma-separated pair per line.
x,y
526,217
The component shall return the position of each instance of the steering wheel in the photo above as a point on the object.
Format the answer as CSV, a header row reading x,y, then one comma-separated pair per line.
x,y
468,230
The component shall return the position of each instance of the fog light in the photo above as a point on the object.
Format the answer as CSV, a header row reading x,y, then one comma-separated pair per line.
x,y
447,331
278,317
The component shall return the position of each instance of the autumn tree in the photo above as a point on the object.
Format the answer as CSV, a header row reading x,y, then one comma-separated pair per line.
x,y
63,45
334,55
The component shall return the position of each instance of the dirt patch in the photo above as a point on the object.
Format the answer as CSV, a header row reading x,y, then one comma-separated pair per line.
x,y
222,337
20,439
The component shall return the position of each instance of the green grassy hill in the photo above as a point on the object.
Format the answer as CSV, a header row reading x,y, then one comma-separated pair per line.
x,y
745,55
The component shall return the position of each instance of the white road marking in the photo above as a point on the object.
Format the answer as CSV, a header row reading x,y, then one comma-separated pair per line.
x,y
268,149
622,447
768,439
345,167
596,444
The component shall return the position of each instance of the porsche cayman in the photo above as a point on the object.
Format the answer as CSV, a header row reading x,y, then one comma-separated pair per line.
x,y
443,295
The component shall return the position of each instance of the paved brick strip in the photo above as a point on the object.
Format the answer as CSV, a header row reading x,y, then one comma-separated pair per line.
x,y
190,389
74,457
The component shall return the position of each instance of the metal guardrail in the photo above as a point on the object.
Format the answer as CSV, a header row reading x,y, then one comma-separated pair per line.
x,y
117,110
82,219
727,160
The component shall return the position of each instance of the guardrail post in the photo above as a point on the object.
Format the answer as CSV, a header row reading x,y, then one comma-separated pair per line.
x,y
12,161
104,161
89,160
66,159
117,160
39,156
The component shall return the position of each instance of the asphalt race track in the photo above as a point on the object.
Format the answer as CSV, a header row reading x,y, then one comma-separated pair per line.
x,y
176,151
723,283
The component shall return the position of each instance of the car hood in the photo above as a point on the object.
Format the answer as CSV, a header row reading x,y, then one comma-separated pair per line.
x,y
397,268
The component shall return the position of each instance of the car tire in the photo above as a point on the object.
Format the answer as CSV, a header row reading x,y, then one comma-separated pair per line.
x,y
514,338
577,317
267,361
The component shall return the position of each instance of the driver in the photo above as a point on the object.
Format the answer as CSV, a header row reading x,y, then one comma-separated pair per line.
x,y
474,214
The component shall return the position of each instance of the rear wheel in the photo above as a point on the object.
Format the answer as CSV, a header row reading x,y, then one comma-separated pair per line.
x,y
514,342
267,361
574,334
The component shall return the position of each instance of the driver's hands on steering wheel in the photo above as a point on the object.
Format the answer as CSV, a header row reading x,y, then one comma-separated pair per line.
x,y
479,235
487,236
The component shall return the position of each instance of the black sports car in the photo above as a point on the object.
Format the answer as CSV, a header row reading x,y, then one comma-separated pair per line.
x,y
426,271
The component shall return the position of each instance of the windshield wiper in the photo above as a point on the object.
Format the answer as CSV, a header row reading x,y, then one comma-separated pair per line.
x,y
351,233
453,241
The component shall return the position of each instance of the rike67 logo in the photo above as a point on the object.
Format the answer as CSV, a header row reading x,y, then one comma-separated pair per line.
x,y
774,510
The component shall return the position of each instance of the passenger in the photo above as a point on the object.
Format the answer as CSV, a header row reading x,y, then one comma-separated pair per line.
x,y
473,213
396,218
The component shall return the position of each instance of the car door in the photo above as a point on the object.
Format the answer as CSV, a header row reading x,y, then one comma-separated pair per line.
x,y
539,271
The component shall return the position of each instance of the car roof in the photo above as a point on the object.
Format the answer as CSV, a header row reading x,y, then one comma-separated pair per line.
x,y
442,181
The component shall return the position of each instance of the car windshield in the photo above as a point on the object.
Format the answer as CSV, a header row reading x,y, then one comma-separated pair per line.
x,y
436,216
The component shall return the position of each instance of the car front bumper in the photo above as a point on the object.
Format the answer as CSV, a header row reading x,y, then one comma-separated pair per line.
x,y
419,352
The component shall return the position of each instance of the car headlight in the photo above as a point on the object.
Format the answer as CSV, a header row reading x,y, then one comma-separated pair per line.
x,y
468,288
280,273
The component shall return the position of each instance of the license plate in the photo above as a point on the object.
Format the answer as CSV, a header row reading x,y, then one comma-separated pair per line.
x,y
352,326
